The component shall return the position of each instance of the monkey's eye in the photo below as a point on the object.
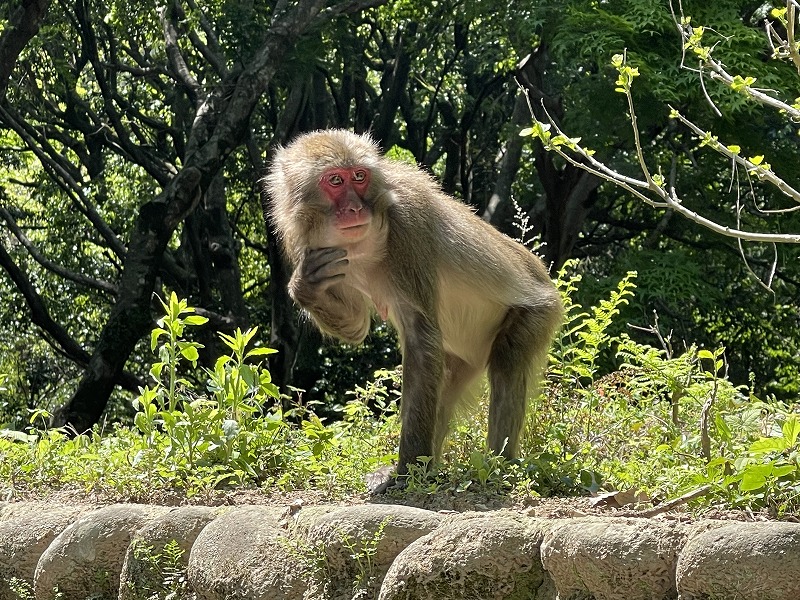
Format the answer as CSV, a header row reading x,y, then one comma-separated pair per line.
x,y
359,175
335,179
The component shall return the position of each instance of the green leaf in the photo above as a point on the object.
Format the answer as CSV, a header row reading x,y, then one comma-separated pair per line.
x,y
722,428
141,422
791,429
783,470
155,370
752,480
190,353
261,352
766,445
195,320
154,337
272,390
247,375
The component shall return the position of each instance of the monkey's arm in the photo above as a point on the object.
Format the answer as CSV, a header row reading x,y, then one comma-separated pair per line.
x,y
317,285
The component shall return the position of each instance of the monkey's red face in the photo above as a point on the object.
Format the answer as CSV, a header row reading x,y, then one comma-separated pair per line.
x,y
346,189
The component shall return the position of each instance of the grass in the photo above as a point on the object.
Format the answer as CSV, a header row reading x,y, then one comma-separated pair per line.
x,y
658,426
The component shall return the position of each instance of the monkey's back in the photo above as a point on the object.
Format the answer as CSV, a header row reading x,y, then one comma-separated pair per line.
x,y
431,229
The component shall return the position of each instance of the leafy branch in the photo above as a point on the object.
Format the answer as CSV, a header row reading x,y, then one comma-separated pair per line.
x,y
654,189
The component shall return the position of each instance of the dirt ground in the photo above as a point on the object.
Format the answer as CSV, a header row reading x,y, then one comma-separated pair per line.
x,y
558,507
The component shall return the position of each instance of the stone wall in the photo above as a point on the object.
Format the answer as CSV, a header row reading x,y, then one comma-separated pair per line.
x,y
384,552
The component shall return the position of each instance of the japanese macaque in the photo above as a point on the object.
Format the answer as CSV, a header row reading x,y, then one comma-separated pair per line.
x,y
366,234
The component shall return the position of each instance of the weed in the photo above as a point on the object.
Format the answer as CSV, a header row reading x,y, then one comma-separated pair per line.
x,y
663,422
164,572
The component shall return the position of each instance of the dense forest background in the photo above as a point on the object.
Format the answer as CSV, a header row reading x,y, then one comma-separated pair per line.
x,y
133,139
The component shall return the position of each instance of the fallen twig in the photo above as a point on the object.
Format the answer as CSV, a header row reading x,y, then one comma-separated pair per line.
x,y
666,506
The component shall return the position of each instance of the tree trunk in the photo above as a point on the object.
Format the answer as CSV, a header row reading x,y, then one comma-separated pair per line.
x,y
500,208
208,244
570,191
22,25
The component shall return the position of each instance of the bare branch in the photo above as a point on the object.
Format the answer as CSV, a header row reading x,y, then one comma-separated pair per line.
x,y
211,51
669,199
719,72
53,162
674,503
48,264
179,67
759,171
791,17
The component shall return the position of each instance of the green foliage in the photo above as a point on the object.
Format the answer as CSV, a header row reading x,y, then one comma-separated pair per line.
x,y
762,469
363,552
314,562
108,122
193,442
174,350
165,570
658,422
687,284
22,590
584,335
215,430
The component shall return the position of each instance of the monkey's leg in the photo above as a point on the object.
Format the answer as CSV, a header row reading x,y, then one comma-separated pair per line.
x,y
518,356
457,379
423,370
457,376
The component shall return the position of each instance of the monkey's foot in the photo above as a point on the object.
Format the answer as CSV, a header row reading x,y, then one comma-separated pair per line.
x,y
383,480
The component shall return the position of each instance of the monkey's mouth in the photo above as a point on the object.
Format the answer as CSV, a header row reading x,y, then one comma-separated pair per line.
x,y
353,230
352,223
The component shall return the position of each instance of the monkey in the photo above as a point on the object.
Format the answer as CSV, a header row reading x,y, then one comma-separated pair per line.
x,y
366,234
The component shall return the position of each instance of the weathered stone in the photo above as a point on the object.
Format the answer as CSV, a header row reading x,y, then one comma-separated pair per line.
x,y
472,557
85,559
245,553
299,520
610,558
147,569
745,561
24,536
361,542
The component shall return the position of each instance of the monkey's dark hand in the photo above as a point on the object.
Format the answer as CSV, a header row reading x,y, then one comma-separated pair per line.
x,y
318,270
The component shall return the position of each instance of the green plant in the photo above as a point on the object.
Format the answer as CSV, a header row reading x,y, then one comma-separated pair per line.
x,y
201,430
363,552
314,562
23,590
311,559
641,418
165,572
574,367
764,473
